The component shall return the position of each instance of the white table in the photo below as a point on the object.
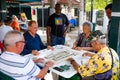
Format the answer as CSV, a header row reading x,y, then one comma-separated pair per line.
x,y
47,54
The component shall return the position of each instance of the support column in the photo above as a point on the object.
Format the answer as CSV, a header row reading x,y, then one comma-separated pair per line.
x,y
52,6
114,41
81,15
2,9
69,9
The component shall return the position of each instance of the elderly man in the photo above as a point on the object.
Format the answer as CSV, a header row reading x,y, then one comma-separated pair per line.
x,y
104,65
33,40
16,66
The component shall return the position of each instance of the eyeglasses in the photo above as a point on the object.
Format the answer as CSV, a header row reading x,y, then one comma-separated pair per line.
x,y
21,41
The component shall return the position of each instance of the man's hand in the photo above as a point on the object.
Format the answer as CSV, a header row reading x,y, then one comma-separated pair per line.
x,y
64,34
49,64
35,52
70,59
39,60
88,54
49,47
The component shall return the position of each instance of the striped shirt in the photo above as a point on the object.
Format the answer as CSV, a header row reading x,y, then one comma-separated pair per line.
x,y
18,67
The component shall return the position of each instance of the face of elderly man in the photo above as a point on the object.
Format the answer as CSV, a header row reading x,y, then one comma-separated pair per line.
x,y
21,44
33,28
95,45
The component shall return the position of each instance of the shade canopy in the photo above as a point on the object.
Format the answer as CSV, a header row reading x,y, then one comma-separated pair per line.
x,y
23,1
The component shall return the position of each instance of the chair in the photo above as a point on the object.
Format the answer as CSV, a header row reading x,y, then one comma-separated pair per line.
x,y
5,77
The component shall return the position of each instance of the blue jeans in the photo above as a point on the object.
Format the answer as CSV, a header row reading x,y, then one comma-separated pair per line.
x,y
57,40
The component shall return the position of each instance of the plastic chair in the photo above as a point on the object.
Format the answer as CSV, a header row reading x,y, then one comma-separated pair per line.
x,y
5,77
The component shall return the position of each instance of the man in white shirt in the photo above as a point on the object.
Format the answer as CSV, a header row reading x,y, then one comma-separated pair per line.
x,y
4,28
17,66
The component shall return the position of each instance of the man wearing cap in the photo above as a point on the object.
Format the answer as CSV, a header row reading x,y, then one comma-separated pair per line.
x,y
104,65
5,27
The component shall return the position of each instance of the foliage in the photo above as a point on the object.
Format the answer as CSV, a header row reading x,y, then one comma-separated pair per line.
x,y
97,4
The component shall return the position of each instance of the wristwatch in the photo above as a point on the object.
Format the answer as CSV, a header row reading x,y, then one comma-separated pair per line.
x,y
72,61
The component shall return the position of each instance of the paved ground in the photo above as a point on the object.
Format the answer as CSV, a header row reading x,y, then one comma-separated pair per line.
x,y
70,37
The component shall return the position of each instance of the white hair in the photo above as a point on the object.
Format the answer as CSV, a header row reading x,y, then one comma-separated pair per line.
x,y
101,39
89,24
12,37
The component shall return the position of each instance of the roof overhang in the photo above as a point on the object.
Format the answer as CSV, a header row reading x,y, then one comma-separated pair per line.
x,y
23,1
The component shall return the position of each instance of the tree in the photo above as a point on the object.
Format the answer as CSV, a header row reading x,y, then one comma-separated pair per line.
x,y
97,4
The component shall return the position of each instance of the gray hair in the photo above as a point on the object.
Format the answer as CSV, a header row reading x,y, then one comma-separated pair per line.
x,y
12,37
101,39
89,24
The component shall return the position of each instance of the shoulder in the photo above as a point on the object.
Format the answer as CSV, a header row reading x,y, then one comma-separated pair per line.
x,y
36,35
52,15
63,15
26,34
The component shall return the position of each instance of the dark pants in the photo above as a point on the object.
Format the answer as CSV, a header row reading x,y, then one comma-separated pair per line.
x,y
55,40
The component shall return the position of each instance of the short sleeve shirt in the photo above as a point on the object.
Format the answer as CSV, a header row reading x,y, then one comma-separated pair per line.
x,y
100,63
18,67
57,24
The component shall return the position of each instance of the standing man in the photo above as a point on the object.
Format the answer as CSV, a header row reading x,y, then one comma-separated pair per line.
x,y
57,27
108,10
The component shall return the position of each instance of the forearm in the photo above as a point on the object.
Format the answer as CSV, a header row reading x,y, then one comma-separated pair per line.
x,y
74,45
67,28
48,35
43,72
87,48
75,65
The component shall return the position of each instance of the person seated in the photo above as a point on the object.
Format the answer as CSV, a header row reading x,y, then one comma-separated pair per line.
x,y
81,43
33,40
17,66
15,23
5,26
1,47
104,65
23,21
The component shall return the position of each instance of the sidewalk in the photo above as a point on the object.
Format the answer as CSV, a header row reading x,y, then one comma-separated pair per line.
x,y
70,37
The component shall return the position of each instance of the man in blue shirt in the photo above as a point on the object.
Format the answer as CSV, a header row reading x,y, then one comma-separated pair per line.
x,y
33,40
57,27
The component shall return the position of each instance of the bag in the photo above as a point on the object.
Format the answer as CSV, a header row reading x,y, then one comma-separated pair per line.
x,y
104,76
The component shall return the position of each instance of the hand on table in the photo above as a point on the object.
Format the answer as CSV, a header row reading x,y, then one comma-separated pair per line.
x,y
35,52
39,60
49,64
78,48
49,47
88,54
70,59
